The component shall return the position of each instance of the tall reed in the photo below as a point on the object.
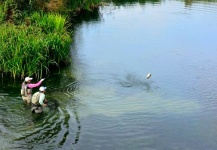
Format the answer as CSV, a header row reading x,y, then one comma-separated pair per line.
x,y
38,41
26,50
49,22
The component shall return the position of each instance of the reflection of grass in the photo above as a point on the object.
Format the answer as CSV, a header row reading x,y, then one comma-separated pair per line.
x,y
124,2
79,5
187,2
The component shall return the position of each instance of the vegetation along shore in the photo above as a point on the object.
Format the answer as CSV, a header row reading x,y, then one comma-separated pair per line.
x,y
35,34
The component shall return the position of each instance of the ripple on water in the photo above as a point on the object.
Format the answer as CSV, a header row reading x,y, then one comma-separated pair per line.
x,y
32,131
112,132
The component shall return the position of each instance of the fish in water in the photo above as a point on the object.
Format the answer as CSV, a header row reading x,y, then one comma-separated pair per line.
x,y
148,75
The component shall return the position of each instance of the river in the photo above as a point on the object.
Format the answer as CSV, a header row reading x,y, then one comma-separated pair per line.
x,y
105,100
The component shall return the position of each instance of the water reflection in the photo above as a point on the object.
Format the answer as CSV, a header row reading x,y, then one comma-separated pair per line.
x,y
124,2
190,2
103,104
72,106
143,2
125,107
85,17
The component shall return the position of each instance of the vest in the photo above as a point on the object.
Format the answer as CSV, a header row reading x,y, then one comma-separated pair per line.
x,y
35,98
25,90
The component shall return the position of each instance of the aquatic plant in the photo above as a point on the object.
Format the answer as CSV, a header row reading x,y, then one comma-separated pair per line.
x,y
27,51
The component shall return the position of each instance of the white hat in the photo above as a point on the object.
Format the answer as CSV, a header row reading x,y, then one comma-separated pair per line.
x,y
42,88
28,78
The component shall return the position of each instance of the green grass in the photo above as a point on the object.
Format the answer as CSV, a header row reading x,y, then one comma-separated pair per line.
x,y
33,39
2,13
49,22
27,51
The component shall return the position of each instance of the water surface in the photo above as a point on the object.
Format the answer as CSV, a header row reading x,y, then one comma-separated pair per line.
x,y
107,103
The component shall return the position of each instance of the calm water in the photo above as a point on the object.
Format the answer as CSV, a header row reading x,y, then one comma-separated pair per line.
x,y
106,102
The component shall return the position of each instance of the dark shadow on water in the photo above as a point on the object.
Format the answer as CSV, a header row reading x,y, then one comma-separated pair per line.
x,y
38,117
191,2
85,17
125,2
143,2
73,103
132,81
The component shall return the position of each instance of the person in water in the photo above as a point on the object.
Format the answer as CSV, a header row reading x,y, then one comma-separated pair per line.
x,y
39,101
26,89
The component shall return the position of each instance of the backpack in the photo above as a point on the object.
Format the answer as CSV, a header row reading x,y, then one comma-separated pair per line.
x,y
35,98
23,89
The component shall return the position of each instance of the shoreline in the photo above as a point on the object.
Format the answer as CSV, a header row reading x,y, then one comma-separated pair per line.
x,y
35,39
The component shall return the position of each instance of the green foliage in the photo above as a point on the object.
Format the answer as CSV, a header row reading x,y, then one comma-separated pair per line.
x,y
9,11
78,5
2,14
49,22
26,50
32,39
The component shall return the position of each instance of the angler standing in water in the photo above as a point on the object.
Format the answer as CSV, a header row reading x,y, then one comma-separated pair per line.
x,y
39,101
26,89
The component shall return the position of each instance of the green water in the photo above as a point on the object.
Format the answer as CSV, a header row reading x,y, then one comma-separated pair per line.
x,y
105,100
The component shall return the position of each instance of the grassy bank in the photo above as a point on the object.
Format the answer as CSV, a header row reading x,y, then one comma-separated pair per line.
x,y
35,36
26,50
29,49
